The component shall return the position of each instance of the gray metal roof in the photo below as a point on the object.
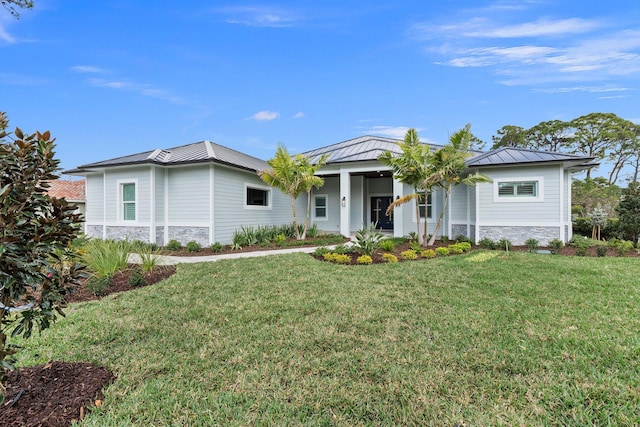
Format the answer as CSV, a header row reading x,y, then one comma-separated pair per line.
x,y
359,149
511,156
197,152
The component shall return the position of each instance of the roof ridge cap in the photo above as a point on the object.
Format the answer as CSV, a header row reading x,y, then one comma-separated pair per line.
x,y
210,151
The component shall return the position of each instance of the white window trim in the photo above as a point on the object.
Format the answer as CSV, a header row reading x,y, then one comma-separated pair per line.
x,y
433,207
326,208
515,199
269,191
121,183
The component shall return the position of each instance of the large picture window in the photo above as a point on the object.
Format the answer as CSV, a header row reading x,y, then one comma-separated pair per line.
x,y
128,201
257,197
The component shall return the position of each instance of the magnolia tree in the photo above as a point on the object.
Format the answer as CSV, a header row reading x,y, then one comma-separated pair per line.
x,y
35,231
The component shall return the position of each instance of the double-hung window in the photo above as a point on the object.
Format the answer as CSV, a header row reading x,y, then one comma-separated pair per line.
x,y
320,206
424,207
128,191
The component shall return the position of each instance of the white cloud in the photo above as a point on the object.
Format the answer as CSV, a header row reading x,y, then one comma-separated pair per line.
x,y
539,28
390,131
255,16
265,115
590,89
139,88
299,115
86,69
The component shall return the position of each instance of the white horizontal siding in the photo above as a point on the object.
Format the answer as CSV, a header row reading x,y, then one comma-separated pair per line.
x,y
458,203
331,188
141,176
95,199
521,211
188,192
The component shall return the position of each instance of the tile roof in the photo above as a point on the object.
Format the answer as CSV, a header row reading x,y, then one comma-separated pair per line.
x,y
197,152
73,191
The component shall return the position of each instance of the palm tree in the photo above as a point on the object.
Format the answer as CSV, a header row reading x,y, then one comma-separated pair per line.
x,y
411,167
309,182
449,165
293,176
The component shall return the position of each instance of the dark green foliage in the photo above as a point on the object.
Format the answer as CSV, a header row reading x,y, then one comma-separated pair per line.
x,y
36,264
555,246
532,244
462,238
193,246
216,247
601,251
388,245
98,285
505,244
486,243
136,278
629,211
321,251
173,245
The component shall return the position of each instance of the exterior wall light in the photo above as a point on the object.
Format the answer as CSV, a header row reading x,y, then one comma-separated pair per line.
x,y
344,201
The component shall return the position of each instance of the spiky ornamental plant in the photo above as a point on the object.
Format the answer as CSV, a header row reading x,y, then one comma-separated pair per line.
x,y
35,232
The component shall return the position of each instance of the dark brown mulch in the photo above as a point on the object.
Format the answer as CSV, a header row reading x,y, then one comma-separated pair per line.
x,y
226,249
58,393
54,394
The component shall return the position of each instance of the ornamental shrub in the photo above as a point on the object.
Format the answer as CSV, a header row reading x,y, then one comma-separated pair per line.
x,y
486,243
555,246
98,285
465,246
601,251
442,251
368,239
193,246
428,253
173,245
216,247
390,258
136,278
531,244
37,265
337,258
387,245
321,251
365,260
504,244
409,254
455,249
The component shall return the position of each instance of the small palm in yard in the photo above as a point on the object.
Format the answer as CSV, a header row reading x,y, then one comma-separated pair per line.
x,y
104,258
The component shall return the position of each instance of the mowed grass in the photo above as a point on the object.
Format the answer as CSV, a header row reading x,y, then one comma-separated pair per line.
x,y
477,339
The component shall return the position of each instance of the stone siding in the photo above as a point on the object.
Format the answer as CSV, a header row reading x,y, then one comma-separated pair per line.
x,y
160,236
459,230
94,231
518,235
128,233
187,234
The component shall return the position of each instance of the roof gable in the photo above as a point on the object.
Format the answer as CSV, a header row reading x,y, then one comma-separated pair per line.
x,y
514,156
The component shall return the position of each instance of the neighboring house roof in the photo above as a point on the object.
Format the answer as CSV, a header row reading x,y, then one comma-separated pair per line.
x,y
197,152
357,149
72,191
514,156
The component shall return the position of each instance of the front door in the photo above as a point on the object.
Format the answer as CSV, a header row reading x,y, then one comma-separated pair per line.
x,y
379,207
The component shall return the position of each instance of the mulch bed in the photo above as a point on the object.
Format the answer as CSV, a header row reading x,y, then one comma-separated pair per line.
x,y
58,393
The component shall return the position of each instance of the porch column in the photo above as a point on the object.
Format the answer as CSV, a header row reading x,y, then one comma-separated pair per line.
x,y
398,216
345,203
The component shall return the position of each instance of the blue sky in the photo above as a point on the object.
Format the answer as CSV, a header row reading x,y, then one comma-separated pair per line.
x,y
111,78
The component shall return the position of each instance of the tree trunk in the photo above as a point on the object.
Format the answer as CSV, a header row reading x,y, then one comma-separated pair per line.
x,y
441,217
295,219
306,220
426,215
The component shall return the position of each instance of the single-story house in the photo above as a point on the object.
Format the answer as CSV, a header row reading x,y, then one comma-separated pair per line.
x,y
205,192
72,191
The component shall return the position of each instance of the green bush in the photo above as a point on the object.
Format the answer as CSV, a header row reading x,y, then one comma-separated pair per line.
x,y
148,258
280,238
531,244
601,251
442,251
98,285
313,231
173,245
136,278
345,249
216,247
465,246
415,246
104,258
486,243
193,246
444,239
462,238
409,254
555,246
321,251
504,244
365,260
390,258
455,249
623,247
428,253
337,258
387,245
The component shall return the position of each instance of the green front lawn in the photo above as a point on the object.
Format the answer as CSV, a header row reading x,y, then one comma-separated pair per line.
x,y
476,339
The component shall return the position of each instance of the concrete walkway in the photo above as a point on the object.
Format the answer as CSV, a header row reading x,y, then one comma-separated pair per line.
x,y
172,260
